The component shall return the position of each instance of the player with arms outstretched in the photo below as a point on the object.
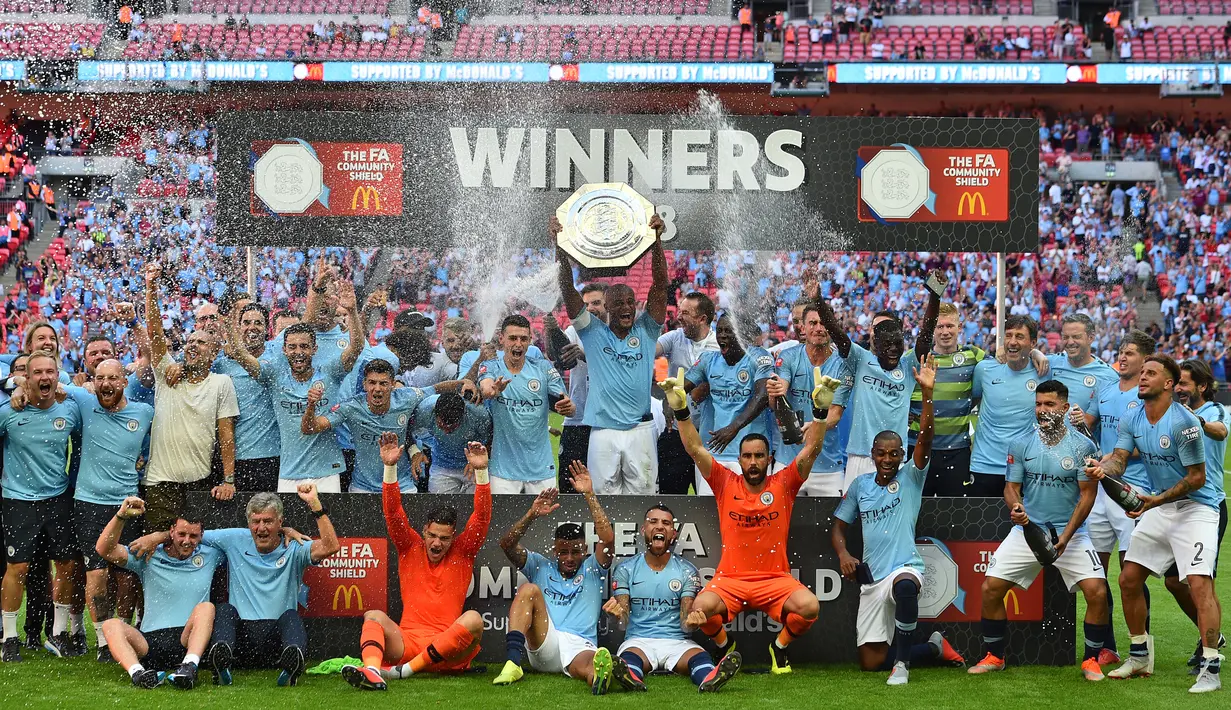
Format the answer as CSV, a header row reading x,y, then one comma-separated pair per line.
x,y
434,571
755,513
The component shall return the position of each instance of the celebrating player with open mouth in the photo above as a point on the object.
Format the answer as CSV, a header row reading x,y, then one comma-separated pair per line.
x,y
755,516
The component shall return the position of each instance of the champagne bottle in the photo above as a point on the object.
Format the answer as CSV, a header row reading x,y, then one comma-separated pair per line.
x,y
558,341
1042,544
788,419
1125,494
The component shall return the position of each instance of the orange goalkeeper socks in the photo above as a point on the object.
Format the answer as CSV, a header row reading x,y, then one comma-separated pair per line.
x,y
447,645
715,630
794,627
372,644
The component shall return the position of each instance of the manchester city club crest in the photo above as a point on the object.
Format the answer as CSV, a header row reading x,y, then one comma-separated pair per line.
x,y
675,585
892,487
401,420
131,425
1067,463
767,498
318,383
59,423
1089,381
533,385
742,376
281,562
1164,441
577,581
898,375
343,343
198,561
1031,385
634,342
1133,404
959,359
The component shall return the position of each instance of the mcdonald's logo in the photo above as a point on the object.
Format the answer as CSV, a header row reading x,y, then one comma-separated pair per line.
x,y
968,199
1017,607
346,592
370,194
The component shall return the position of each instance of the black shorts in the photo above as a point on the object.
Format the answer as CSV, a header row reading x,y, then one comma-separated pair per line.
x,y
256,474
29,524
90,519
166,652
1174,571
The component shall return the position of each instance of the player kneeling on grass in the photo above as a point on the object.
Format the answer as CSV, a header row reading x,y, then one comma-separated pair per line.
x,y
178,618
1044,486
434,571
887,505
554,617
654,592
754,512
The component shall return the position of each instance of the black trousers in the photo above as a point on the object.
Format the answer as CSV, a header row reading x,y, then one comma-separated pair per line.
x,y
257,474
258,644
39,610
574,446
948,474
675,466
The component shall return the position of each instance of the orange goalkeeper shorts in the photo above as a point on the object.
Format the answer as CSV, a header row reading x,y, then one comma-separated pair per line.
x,y
415,641
767,593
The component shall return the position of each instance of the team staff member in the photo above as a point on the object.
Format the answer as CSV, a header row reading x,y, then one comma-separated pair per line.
x,y
574,434
179,617
683,348
620,355
1084,374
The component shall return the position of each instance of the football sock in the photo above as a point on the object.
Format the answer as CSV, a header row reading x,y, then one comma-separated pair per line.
x,y
1095,635
1110,642
699,666
994,631
905,618
793,627
447,645
60,623
1213,662
515,647
192,658
715,630
1137,647
10,624
1145,590
98,634
76,622
372,644
134,669
633,661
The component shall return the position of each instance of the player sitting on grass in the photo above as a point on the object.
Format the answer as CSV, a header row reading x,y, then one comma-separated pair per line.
x,y
654,592
434,571
554,617
887,505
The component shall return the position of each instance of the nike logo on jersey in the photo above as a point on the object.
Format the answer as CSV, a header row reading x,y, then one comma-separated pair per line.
x,y
1031,458
998,382
635,583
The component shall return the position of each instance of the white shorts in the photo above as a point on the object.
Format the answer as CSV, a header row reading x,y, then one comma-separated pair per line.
x,y
407,486
507,486
624,462
449,480
1108,524
663,654
1014,562
856,466
328,484
823,485
558,650
877,608
702,487
1184,532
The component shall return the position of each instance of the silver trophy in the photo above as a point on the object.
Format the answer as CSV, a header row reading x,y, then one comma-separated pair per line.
x,y
606,227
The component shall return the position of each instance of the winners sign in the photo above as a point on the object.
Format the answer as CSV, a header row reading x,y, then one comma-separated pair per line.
x,y
879,184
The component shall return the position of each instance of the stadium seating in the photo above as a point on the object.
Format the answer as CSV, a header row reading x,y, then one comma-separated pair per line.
x,y
1178,43
50,40
960,7
1194,7
27,6
940,43
291,7
618,7
608,43
276,39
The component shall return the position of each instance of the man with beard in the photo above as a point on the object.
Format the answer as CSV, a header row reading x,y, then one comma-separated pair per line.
x,y
176,583
1177,526
683,347
306,458
523,390
257,442
38,512
434,572
1109,525
653,595
792,379
554,616
1005,393
1196,392
880,398
735,404
955,368
620,355
574,434
115,435
455,340
887,505
755,516
189,418
1044,487
450,423
1084,374
797,327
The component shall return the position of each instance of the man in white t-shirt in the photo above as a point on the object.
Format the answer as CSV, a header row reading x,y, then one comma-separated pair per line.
x,y
683,347
574,434
188,418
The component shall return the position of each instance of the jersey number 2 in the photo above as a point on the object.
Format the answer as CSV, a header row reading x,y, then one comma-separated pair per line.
x,y
1200,548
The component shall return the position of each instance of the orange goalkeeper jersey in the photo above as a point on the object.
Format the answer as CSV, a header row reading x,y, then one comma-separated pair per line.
x,y
433,595
754,526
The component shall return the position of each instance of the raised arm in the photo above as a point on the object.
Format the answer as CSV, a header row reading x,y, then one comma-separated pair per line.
x,y
602,524
357,333
677,400
475,532
840,339
814,434
153,314
108,546
322,274
925,376
544,504
327,545
400,531
936,287
656,299
573,303
234,348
